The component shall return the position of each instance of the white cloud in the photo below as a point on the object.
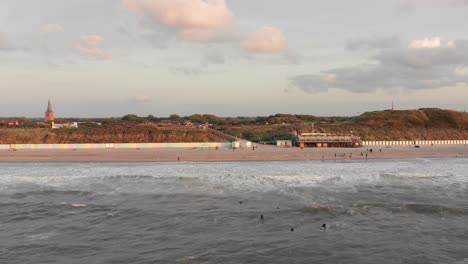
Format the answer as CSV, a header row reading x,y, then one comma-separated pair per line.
x,y
5,45
187,71
462,71
141,99
52,28
214,56
373,43
399,68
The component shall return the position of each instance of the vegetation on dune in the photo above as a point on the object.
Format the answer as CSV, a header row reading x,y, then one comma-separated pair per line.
x,y
106,134
421,124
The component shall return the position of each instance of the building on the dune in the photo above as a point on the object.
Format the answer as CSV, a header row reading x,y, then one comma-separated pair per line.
x,y
49,115
326,140
11,123
65,125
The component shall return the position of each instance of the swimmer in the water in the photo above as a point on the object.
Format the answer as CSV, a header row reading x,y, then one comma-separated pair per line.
x,y
323,227
292,229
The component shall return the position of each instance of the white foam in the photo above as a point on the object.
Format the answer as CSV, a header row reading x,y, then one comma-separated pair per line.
x,y
41,236
248,176
79,205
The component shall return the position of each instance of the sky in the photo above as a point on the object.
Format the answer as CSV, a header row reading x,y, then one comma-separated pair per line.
x,y
231,57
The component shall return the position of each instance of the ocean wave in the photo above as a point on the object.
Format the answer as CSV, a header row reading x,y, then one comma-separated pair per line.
x,y
235,176
336,210
435,209
427,209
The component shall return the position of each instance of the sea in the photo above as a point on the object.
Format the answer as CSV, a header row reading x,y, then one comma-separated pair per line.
x,y
385,211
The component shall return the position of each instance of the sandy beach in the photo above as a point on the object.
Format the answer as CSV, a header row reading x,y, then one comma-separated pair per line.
x,y
263,153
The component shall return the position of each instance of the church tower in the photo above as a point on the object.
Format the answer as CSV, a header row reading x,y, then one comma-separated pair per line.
x,y
49,114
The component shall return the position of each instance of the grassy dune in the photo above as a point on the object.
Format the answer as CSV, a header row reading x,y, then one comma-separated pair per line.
x,y
421,124
107,134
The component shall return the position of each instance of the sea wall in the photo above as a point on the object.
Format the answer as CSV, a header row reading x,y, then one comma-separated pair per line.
x,y
415,142
115,146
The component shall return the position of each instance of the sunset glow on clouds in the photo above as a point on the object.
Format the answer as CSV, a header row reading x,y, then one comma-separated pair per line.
x,y
426,43
89,46
232,57
196,20
266,40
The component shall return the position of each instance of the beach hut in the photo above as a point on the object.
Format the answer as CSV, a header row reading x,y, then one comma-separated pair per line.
x,y
284,143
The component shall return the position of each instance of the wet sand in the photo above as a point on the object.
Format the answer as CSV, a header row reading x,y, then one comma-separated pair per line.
x,y
262,153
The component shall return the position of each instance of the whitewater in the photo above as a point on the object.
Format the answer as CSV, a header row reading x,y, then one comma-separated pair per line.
x,y
385,211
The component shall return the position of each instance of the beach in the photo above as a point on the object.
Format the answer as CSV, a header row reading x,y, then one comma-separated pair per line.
x,y
262,153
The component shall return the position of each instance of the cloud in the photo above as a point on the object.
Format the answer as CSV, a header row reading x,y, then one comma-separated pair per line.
x,y
426,43
187,71
399,68
463,71
5,45
195,20
373,43
141,99
292,57
92,40
265,40
214,57
52,28
89,46
158,40
406,7
459,2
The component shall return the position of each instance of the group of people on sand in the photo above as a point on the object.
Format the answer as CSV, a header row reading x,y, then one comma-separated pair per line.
x,y
350,156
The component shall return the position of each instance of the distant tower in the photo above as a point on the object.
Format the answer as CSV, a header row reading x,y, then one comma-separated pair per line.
x,y
49,114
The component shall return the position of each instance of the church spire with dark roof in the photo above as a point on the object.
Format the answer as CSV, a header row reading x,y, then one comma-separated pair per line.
x,y
49,107
49,114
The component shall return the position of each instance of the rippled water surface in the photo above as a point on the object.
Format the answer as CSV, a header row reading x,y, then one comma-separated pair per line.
x,y
411,211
